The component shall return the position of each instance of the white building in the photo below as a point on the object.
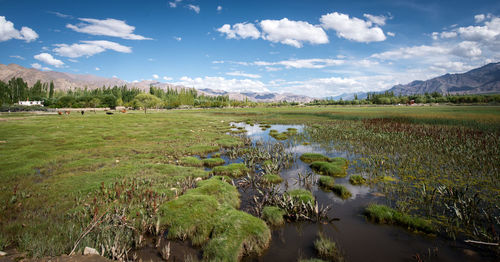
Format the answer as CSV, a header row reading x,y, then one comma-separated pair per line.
x,y
30,103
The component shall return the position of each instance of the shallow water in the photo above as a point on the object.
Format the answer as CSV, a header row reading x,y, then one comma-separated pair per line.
x,y
359,239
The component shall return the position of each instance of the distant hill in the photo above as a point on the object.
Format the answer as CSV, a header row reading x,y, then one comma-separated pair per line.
x,y
66,81
482,80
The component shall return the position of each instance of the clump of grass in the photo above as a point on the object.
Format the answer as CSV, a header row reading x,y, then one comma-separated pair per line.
x,y
326,181
312,157
341,191
357,180
202,149
385,215
311,260
232,170
211,162
215,154
265,126
329,168
238,131
273,215
272,179
328,249
277,135
301,195
290,131
207,216
340,161
191,161
229,141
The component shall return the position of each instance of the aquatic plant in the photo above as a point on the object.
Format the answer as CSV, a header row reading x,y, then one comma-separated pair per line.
x,y
272,179
357,180
301,195
386,215
211,162
326,181
341,191
312,157
335,169
232,170
328,248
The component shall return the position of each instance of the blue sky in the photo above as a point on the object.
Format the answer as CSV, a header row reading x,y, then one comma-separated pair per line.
x,y
312,47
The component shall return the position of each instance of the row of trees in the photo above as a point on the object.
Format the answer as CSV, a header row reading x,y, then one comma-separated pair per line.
x,y
388,98
17,90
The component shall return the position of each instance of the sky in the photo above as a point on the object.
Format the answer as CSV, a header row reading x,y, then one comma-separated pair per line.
x,y
318,48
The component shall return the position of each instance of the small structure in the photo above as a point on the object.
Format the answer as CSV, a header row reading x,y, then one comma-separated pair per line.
x,y
30,103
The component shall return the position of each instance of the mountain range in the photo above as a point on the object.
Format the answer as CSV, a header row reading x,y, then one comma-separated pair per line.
x,y
482,80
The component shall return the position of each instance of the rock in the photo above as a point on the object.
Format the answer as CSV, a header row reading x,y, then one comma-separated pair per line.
x,y
2,254
90,251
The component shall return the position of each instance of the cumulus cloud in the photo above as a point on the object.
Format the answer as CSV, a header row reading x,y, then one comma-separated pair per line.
x,y
239,73
240,30
195,8
155,76
166,78
412,52
49,59
391,34
479,18
293,33
467,49
89,48
354,29
106,27
8,31
97,69
221,83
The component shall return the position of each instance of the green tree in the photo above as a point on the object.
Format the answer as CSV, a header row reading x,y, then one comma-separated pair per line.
x,y
51,90
147,101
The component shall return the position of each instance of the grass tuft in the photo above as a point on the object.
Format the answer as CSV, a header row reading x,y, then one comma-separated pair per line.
x,y
191,161
357,180
326,181
385,215
312,157
335,169
341,191
328,249
211,162
273,215
301,195
272,179
232,170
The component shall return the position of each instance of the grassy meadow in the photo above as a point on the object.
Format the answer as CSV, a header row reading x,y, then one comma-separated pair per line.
x,y
107,181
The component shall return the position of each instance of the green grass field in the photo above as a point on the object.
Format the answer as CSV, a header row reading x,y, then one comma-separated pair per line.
x,y
59,173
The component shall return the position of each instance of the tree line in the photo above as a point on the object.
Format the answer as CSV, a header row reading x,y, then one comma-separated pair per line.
x,y
17,89
389,98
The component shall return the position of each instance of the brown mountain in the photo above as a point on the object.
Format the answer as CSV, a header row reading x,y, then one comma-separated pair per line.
x,y
482,80
66,81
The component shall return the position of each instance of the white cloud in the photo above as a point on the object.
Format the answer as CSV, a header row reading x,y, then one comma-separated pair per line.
x,y
376,19
412,52
177,38
17,56
166,78
489,32
240,30
221,83
446,35
315,63
391,34
49,59
354,29
479,18
219,8
40,67
97,69
7,32
89,48
174,3
239,73
61,15
106,27
155,76
195,8
293,33
467,49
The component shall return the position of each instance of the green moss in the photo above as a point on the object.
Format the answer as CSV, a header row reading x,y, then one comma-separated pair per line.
x,y
385,215
312,157
329,168
357,180
273,215
232,170
211,162
272,179
341,191
191,161
328,249
301,195
326,181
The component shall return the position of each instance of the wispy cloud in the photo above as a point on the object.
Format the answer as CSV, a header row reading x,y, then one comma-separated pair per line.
x,y
106,27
